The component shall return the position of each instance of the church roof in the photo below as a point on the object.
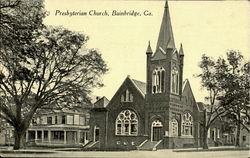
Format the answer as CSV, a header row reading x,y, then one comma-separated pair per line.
x,y
140,85
201,106
166,37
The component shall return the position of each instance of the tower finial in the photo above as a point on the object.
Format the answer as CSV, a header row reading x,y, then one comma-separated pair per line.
x,y
149,49
166,4
181,52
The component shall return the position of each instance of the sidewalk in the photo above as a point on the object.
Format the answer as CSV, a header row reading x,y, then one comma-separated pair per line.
x,y
219,148
7,149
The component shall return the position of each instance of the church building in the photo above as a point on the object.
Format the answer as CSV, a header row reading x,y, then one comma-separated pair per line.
x,y
161,113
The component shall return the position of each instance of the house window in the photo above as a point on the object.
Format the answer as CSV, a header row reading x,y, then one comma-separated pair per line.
x,y
45,135
126,96
87,117
208,133
187,124
127,123
82,120
63,119
158,79
57,135
49,120
55,119
175,81
218,133
174,127
244,138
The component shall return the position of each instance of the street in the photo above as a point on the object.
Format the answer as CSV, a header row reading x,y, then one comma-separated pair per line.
x,y
139,154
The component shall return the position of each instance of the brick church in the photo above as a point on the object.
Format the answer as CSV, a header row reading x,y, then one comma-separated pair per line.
x,y
161,113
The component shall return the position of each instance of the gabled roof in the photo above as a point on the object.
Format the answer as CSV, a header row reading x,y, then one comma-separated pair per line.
x,y
140,85
200,106
160,54
101,103
186,84
166,37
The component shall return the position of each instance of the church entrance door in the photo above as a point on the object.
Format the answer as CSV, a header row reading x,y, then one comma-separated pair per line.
x,y
156,130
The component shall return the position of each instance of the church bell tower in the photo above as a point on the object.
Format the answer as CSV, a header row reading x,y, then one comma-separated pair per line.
x,y
165,65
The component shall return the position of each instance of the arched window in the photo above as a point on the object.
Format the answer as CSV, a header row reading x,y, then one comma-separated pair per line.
x,y
126,96
174,127
175,81
158,79
127,123
187,124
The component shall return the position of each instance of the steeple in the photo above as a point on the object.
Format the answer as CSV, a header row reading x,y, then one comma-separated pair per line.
x,y
166,37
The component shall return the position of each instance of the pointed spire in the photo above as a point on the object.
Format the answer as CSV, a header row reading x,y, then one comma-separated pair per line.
x,y
166,37
149,50
181,52
166,4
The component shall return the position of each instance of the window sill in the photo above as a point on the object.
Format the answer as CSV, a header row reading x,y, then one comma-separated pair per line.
x,y
126,135
186,136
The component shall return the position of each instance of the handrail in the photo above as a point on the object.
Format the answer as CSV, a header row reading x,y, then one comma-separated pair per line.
x,y
142,143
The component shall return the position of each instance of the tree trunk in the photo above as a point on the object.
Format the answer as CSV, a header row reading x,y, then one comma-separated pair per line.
x,y
205,142
18,134
205,131
237,141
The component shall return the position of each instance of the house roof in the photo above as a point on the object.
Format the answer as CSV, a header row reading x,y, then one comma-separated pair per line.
x,y
101,103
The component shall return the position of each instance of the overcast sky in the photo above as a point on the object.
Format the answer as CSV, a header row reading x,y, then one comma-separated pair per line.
x,y
208,27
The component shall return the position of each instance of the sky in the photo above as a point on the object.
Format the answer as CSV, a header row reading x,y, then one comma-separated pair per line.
x,y
203,27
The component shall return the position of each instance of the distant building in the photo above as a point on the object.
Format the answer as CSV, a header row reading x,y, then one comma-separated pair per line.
x,y
245,137
55,128
219,132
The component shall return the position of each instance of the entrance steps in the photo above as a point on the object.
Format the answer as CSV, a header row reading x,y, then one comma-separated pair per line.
x,y
149,145
92,145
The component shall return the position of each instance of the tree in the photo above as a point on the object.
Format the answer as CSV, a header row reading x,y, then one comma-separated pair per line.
x,y
55,69
228,84
18,20
209,80
236,84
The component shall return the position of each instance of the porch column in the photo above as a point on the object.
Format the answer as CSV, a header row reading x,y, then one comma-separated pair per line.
x,y
42,135
27,136
85,137
65,137
49,136
35,135
78,137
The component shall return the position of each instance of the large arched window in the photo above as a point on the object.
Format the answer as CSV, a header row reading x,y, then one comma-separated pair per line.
x,y
175,81
187,124
158,80
127,123
174,127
